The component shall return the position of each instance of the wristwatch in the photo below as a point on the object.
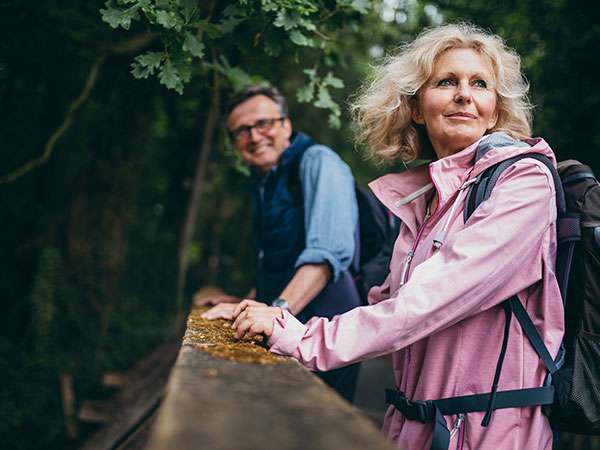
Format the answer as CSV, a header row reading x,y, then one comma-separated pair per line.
x,y
281,303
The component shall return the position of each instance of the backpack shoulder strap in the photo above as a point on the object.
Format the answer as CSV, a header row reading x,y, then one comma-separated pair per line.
x,y
481,190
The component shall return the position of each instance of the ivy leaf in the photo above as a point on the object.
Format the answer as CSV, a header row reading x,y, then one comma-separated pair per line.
x,y
306,93
145,65
118,17
193,45
299,39
332,81
169,19
169,76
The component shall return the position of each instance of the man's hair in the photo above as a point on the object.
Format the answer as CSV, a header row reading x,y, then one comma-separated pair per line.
x,y
254,90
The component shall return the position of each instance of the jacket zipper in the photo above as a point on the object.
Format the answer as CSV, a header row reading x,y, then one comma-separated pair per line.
x,y
439,240
411,253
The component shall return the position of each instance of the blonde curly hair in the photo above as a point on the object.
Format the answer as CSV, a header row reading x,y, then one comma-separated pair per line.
x,y
383,108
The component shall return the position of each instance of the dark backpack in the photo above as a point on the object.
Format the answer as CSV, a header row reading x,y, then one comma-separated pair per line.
x,y
575,373
378,230
571,392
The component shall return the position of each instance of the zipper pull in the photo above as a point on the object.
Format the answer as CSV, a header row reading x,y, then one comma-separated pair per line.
x,y
409,257
457,424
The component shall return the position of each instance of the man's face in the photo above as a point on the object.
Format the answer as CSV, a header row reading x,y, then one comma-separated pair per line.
x,y
260,149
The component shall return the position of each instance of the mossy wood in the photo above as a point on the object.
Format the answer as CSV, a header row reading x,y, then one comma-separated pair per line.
x,y
239,396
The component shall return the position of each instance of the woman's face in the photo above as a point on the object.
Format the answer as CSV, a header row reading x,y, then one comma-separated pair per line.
x,y
457,105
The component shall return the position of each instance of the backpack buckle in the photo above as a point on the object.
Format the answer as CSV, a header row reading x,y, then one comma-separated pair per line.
x,y
421,411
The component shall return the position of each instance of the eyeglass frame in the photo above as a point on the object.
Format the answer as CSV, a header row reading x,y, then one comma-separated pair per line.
x,y
246,130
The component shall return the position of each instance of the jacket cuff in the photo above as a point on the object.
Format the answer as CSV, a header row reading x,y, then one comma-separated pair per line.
x,y
321,256
287,334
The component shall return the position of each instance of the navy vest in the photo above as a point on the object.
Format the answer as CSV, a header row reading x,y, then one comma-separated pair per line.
x,y
280,237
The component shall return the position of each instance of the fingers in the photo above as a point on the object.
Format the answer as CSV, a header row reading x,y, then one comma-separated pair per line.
x,y
221,311
255,320
244,304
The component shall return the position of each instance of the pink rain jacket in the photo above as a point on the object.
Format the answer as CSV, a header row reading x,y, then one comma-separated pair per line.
x,y
445,323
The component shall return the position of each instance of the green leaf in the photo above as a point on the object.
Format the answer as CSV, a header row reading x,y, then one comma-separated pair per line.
x,y
118,17
189,9
139,71
324,100
334,121
306,93
185,70
286,21
169,76
299,39
227,25
193,45
362,6
169,20
332,81
312,73
145,65
151,59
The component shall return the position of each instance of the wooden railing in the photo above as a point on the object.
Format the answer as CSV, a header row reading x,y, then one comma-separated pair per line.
x,y
228,395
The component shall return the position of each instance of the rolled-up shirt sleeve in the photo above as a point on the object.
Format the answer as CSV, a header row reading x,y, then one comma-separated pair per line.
x,y
330,210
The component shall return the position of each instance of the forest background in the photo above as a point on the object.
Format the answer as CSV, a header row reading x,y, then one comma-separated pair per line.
x,y
121,196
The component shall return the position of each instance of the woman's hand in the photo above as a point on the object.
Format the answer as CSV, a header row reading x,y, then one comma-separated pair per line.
x,y
221,311
252,318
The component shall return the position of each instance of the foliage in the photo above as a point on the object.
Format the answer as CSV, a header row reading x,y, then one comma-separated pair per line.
x,y
188,30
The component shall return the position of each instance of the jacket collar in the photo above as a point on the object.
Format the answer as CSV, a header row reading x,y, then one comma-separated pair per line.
x,y
403,193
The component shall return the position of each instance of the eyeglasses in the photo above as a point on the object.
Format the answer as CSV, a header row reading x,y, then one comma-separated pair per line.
x,y
261,125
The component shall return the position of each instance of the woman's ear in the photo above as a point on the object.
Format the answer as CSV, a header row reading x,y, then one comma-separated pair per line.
x,y
416,114
493,119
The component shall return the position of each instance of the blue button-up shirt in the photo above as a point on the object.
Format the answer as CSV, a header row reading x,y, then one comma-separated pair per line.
x,y
330,210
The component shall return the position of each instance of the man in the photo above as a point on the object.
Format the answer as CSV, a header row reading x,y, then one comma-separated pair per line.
x,y
305,218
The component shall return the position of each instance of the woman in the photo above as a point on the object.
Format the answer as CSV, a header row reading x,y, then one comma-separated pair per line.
x,y
439,309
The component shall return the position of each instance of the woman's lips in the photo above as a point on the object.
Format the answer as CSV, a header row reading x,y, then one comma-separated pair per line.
x,y
462,115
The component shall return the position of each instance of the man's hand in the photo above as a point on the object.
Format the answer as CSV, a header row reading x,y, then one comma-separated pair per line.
x,y
221,311
203,300
252,318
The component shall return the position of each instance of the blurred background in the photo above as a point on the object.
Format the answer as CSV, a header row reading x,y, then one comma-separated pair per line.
x,y
120,195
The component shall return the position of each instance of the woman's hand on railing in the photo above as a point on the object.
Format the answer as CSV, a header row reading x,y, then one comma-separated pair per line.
x,y
252,318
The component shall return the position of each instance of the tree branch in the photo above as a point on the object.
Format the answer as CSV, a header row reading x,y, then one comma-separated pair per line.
x,y
66,124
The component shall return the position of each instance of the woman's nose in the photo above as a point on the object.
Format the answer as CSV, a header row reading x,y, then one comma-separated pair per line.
x,y
463,93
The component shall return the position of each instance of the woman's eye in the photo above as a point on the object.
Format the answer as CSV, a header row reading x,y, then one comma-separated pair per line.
x,y
446,82
480,83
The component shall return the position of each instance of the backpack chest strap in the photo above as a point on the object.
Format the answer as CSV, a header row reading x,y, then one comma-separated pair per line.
x,y
428,411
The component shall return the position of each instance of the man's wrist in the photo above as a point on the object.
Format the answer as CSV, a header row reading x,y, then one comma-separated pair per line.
x,y
282,304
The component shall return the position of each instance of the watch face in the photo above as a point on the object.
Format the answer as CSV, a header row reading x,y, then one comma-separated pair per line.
x,y
280,303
